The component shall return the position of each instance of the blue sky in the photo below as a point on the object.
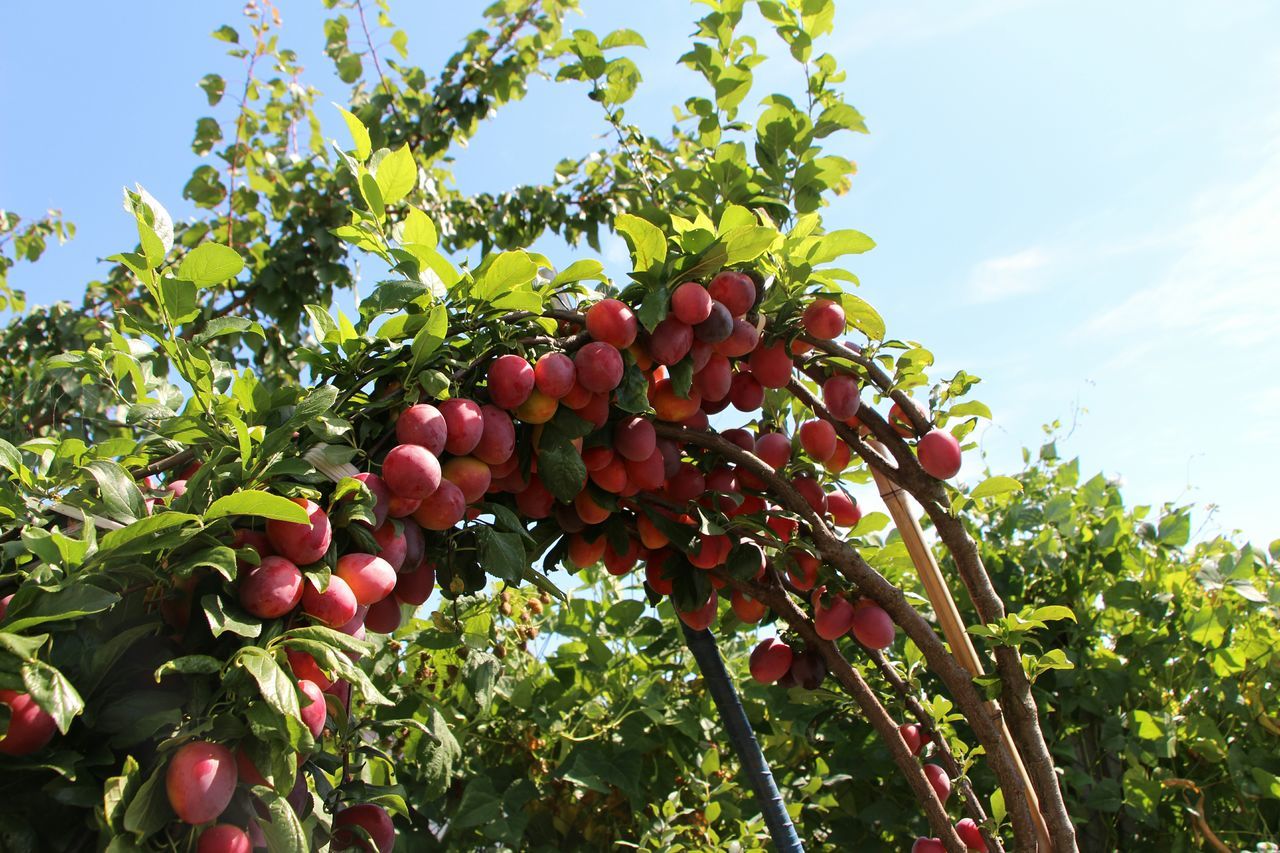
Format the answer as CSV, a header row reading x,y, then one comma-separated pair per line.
x,y
1077,201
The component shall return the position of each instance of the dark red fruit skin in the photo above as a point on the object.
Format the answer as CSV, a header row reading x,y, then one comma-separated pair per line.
x,y
465,425
928,845
808,669
771,365
302,543
841,396
271,589
497,436
224,838
670,341
744,338
373,819
700,619
717,327
422,424
770,660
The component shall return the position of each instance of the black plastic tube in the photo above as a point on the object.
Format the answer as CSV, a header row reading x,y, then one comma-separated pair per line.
x,y
743,739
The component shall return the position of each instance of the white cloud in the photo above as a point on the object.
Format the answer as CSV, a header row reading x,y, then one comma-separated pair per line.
x,y
1222,286
997,279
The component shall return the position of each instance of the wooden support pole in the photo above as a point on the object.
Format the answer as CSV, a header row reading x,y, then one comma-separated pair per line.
x,y
953,628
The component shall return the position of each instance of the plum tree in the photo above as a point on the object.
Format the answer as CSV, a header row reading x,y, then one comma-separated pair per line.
x,y
872,626
971,835
464,426
939,780
734,290
691,303
599,367
483,422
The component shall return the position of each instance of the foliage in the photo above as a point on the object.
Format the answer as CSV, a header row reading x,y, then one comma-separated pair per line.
x,y
1174,658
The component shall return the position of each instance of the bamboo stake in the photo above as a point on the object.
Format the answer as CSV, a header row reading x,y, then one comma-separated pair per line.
x,y
949,619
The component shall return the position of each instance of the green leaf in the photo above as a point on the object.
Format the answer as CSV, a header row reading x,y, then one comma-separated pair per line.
x,y
189,665
36,605
149,809
280,826
623,38
747,244
397,175
993,486
344,643
276,687
52,692
442,754
372,194
178,297
653,308
220,326
561,468
587,269
836,244
144,536
10,458
431,335
359,133
862,316
505,272
419,229
210,263
502,554
260,504
228,619
647,242
119,492
1051,613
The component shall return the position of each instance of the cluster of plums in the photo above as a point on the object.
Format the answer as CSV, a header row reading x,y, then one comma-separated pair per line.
x,y
202,777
